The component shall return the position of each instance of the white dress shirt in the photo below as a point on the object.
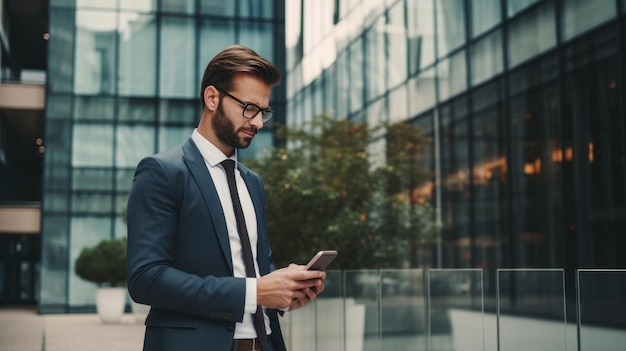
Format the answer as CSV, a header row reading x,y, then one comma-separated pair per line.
x,y
212,157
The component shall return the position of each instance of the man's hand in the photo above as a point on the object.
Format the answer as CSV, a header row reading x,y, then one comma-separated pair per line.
x,y
290,287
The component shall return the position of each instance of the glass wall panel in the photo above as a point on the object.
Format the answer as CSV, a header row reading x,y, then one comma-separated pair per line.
x,y
92,179
601,305
531,302
136,110
486,58
89,202
177,52
180,111
397,66
60,67
516,6
94,108
398,104
59,106
485,15
450,25
455,173
100,4
330,90
403,312
95,54
532,34
264,9
375,61
137,54
578,16
534,167
258,36
57,162
215,35
455,313
217,8
171,136
85,232
343,84
489,179
178,6
357,75
92,145
134,142
452,75
124,179
142,5
54,262
422,92
421,34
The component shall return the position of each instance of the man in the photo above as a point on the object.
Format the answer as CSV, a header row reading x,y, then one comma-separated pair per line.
x,y
203,268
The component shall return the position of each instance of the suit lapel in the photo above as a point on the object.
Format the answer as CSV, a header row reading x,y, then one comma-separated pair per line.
x,y
200,173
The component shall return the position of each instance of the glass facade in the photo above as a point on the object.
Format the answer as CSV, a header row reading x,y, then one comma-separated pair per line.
x,y
523,102
124,80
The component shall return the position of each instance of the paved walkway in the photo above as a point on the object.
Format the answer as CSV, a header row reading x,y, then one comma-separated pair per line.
x,y
25,330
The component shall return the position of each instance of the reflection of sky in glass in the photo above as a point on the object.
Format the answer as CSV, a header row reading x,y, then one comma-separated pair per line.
x,y
101,21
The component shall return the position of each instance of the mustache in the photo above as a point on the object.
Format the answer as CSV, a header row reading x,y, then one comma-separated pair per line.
x,y
253,130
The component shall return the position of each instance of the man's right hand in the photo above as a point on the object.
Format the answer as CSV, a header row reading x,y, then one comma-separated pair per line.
x,y
291,286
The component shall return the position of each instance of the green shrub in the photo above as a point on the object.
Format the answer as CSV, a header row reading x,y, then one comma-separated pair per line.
x,y
103,264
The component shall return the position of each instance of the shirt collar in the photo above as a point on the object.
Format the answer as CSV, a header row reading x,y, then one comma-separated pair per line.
x,y
211,154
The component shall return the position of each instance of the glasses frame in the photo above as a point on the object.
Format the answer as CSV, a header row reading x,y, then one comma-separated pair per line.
x,y
264,111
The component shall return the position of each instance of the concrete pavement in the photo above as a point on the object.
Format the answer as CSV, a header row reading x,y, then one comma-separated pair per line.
x,y
23,329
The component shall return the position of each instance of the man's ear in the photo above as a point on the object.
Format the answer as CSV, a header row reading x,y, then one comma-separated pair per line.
x,y
211,98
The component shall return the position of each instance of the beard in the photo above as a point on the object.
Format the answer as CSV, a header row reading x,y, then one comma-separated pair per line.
x,y
226,132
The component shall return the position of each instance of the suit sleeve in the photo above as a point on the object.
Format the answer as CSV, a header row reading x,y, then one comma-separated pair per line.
x,y
152,278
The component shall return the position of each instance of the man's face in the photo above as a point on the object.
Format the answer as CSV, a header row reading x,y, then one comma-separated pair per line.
x,y
228,122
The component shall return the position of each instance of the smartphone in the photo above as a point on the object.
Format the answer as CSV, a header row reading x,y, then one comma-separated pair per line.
x,y
321,260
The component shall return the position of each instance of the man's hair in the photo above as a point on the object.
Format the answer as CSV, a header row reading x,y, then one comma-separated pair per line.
x,y
233,60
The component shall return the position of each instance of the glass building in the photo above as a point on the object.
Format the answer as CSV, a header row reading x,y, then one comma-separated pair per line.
x,y
124,83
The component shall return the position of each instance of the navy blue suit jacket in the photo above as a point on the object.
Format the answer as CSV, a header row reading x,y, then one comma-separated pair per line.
x,y
179,258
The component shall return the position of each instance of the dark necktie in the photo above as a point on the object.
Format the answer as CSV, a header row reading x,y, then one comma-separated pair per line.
x,y
229,167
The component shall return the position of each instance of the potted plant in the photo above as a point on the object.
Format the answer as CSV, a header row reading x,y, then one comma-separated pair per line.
x,y
105,265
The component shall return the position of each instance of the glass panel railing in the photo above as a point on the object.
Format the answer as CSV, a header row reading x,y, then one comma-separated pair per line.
x,y
601,309
456,310
403,311
531,310
330,314
362,323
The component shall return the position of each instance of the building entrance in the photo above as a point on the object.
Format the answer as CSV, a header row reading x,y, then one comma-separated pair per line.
x,y
20,258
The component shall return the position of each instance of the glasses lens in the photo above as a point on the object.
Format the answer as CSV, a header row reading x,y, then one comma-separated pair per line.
x,y
267,115
250,111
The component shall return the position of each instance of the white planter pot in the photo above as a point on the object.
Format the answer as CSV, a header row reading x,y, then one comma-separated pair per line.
x,y
110,304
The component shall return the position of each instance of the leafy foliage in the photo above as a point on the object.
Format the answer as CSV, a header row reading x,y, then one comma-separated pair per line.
x,y
103,264
324,193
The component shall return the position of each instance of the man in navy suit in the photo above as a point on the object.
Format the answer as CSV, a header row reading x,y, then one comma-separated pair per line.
x,y
185,255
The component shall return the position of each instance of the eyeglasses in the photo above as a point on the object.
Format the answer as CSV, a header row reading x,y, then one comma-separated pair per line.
x,y
251,110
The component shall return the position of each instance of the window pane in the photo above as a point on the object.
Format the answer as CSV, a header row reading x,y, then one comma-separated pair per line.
x,y
259,37
396,46
94,71
92,179
93,108
263,9
375,56
139,5
101,4
177,73
172,136
421,32
133,143
531,34
61,51
140,110
224,8
399,105
180,6
485,15
516,6
220,33
422,92
137,58
92,145
486,59
450,25
356,76
578,16
452,74
182,111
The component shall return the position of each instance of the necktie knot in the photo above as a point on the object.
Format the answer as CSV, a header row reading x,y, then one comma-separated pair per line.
x,y
229,166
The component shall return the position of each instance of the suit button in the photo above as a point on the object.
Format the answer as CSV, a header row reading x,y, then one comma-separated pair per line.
x,y
230,328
